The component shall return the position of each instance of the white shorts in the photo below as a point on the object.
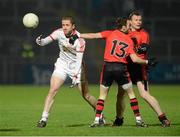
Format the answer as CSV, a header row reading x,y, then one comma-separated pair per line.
x,y
64,68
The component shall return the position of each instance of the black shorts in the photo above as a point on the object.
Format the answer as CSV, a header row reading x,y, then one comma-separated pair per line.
x,y
114,71
137,72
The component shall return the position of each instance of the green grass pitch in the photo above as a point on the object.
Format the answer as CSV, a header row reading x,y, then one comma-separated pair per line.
x,y
21,108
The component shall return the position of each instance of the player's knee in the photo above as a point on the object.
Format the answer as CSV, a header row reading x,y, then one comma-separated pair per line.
x,y
144,95
52,92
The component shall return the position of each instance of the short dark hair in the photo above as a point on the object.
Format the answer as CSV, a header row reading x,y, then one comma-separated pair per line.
x,y
121,22
135,12
69,18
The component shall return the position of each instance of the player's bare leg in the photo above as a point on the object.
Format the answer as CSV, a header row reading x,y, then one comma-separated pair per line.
x,y
148,98
84,91
153,103
55,84
100,106
120,107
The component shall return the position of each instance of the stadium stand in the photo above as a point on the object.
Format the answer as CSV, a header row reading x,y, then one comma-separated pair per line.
x,y
161,19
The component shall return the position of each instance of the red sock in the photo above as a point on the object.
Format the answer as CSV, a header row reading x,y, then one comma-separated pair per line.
x,y
99,107
134,106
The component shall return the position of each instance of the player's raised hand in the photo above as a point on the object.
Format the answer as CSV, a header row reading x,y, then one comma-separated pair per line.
x,y
73,38
38,40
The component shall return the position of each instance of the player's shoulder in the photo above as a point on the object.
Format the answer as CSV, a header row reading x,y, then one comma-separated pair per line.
x,y
107,32
144,32
81,40
76,32
111,31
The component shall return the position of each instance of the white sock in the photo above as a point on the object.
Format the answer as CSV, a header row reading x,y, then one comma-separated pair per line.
x,y
138,118
97,119
45,116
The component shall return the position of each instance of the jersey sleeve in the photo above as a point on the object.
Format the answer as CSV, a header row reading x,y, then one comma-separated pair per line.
x,y
105,33
55,34
46,41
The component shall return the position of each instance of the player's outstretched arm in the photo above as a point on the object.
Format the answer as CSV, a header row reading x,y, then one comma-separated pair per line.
x,y
73,38
91,35
42,42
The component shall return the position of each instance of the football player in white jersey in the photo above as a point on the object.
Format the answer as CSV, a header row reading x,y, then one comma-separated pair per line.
x,y
69,64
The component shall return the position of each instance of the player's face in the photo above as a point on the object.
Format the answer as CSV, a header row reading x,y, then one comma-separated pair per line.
x,y
67,27
136,22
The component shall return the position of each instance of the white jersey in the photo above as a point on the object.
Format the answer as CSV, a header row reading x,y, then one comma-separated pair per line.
x,y
67,51
70,56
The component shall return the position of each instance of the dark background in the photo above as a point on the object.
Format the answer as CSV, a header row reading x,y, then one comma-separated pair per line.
x,y
23,62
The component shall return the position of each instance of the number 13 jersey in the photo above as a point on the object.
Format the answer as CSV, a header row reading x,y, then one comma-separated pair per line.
x,y
118,46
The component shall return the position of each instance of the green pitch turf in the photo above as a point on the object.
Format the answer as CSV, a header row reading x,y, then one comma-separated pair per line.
x,y
21,108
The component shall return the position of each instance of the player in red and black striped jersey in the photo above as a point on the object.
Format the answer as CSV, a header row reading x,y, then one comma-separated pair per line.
x,y
118,47
138,72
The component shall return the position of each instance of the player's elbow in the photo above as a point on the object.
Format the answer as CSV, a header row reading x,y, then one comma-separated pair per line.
x,y
134,58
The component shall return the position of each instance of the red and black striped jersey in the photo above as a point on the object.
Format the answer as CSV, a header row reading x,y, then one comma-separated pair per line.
x,y
118,46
